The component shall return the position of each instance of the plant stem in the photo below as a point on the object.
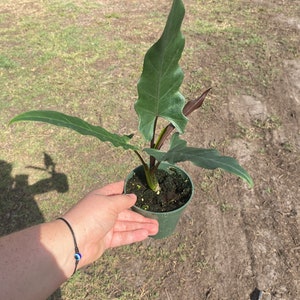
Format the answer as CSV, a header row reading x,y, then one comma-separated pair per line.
x,y
150,174
140,157
152,144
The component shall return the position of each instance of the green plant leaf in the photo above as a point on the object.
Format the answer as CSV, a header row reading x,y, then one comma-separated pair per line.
x,y
77,124
158,87
205,158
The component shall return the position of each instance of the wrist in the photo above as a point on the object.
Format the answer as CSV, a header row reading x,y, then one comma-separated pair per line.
x,y
79,230
55,237
77,254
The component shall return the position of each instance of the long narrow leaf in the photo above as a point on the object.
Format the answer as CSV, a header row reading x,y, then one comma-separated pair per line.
x,y
76,124
205,158
158,87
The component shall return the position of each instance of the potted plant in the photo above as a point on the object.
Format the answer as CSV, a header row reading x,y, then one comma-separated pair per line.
x,y
159,99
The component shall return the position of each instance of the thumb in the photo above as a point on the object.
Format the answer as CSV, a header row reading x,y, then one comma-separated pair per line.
x,y
122,202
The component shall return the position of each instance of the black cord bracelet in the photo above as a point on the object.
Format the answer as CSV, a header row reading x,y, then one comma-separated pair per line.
x,y
77,254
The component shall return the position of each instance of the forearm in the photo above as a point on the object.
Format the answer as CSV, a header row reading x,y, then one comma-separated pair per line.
x,y
36,261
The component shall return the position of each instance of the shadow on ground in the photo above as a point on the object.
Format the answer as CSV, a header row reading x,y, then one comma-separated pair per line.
x,y
18,208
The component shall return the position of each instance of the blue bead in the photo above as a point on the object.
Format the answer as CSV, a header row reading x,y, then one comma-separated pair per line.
x,y
77,256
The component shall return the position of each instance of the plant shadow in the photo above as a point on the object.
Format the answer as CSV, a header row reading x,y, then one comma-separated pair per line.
x,y
18,208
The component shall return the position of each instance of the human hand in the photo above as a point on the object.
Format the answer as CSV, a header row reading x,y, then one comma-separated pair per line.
x,y
102,220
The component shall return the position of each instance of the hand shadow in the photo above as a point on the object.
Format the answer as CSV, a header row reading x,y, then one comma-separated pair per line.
x,y
18,208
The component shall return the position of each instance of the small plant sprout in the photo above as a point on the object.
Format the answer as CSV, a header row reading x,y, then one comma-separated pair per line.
x,y
159,99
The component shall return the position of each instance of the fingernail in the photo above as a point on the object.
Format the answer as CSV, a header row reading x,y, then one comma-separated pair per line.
x,y
133,196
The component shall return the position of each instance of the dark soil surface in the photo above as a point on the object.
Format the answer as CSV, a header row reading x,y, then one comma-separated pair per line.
x,y
175,190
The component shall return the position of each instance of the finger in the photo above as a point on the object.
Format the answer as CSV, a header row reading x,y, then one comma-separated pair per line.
x,y
112,189
126,238
129,215
151,227
119,203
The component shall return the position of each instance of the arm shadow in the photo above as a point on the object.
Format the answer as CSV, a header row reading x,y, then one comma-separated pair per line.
x,y
18,208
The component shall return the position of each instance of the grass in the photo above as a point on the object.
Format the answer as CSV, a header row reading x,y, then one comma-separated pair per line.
x,y
84,58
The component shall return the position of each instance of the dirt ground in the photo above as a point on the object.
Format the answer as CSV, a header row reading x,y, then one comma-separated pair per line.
x,y
256,244
232,243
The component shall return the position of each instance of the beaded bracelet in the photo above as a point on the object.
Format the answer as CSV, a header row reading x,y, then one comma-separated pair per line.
x,y
77,254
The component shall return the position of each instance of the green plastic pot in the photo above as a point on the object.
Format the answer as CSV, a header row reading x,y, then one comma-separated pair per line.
x,y
167,220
